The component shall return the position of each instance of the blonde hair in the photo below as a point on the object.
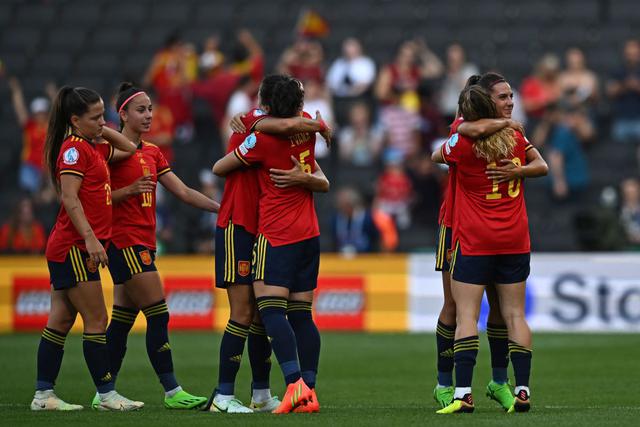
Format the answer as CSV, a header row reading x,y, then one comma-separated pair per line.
x,y
475,103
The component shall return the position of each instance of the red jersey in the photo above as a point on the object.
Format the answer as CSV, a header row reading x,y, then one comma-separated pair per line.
x,y
33,137
286,215
162,126
489,218
20,242
134,218
446,209
87,160
241,191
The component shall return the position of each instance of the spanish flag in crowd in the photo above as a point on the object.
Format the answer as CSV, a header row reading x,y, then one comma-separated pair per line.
x,y
311,24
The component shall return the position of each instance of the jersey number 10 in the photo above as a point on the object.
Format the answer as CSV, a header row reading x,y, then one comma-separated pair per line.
x,y
514,185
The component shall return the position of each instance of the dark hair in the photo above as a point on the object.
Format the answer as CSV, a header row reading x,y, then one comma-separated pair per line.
x,y
475,103
288,98
125,90
472,80
490,79
70,101
267,88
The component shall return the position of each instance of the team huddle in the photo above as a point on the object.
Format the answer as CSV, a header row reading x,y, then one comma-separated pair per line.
x,y
267,247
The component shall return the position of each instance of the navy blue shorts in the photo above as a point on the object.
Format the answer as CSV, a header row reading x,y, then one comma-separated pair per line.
x,y
490,269
76,268
293,266
126,262
234,248
443,251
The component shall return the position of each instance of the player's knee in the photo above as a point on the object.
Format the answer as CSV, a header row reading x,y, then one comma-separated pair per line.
x,y
495,317
97,322
243,314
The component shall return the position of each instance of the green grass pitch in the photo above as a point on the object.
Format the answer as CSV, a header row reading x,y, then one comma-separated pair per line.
x,y
365,380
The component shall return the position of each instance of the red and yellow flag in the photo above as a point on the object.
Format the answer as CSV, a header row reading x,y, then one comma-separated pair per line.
x,y
312,24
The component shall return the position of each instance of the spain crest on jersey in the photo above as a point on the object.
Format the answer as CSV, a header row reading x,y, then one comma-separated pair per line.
x,y
244,268
145,257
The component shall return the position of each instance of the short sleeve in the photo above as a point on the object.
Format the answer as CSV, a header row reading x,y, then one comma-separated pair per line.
x,y
162,166
455,125
252,149
252,118
451,149
74,159
105,150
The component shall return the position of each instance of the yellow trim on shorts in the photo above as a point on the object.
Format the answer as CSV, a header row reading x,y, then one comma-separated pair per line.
x,y
454,258
78,266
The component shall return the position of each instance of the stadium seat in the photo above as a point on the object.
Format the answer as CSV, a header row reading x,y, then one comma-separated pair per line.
x,y
56,64
19,39
111,40
98,64
6,13
90,12
173,13
16,63
153,38
623,11
28,14
125,13
214,13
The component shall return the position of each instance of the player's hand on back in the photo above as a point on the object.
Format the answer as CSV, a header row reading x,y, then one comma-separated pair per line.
x,y
505,172
236,124
290,177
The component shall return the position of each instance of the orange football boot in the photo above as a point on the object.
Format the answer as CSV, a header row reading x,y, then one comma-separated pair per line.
x,y
311,406
297,394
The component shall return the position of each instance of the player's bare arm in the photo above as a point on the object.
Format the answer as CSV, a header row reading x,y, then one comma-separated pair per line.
x,y
296,176
227,164
536,166
69,188
171,182
144,184
485,127
122,146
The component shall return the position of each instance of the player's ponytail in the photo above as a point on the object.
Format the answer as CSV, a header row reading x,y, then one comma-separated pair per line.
x,y
68,102
475,103
126,92
473,80
267,88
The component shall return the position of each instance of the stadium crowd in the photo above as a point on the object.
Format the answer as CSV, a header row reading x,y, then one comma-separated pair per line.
x,y
387,118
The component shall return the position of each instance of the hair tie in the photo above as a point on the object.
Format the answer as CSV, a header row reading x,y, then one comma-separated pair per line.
x,y
126,101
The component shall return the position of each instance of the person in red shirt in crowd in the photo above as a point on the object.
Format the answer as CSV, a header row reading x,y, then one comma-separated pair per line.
x,y
22,233
218,87
170,75
162,132
77,164
287,251
394,190
491,243
496,330
133,244
236,229
34,131
304,60
542,89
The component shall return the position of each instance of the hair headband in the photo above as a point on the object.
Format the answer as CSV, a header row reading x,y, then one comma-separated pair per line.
x,y
129,99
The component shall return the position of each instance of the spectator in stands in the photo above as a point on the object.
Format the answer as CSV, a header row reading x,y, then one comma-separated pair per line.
x,y
579,85
22,233
624,92
304,60
242,100
170,74
413,62
317,98
217,89
564,129
425,180
394,190
433,125
34,129
211,58
458,70
354,229
401,126
630,210
352,74
163,131
360,143
542,89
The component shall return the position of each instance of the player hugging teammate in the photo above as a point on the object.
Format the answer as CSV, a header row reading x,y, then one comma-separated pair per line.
x,y
268,218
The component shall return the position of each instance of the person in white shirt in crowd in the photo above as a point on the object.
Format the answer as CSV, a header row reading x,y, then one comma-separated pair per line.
x,y
352,74
458,70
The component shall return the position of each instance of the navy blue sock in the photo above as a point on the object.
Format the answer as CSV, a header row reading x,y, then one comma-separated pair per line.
x,y
158,347
521,360
499,346
444,344
260,356
465,351
300,317
50,352
283,340
231,349
122,320
96,354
